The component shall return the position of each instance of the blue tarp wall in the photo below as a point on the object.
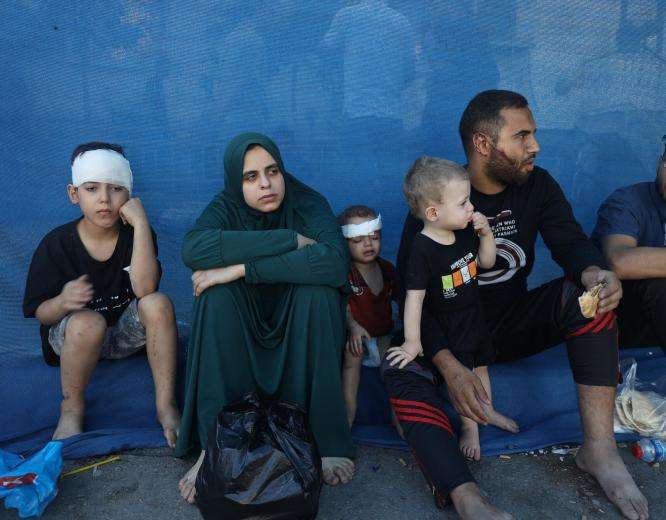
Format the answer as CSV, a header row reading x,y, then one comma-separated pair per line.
x,y
352,93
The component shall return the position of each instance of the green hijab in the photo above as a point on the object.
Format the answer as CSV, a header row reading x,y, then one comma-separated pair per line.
x,y
300,207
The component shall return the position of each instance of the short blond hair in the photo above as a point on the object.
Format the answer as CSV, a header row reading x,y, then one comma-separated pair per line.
x,y
426,180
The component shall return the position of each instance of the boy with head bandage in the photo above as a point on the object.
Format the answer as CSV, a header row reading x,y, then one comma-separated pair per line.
x,y
369,313
92,285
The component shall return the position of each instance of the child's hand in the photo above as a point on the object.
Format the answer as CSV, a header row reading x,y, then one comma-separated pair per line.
x,y
355,342
481,225
76,294
132,212
404,354
202,280
304,241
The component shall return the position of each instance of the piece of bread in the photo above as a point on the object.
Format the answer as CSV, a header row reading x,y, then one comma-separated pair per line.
x,y
589,301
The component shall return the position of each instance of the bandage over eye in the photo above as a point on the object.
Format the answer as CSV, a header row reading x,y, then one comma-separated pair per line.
x,y
363,229
102,166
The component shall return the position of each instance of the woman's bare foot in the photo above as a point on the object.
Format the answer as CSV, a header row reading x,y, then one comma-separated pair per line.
x,y
470,504
337,470
603,462
169,417
186,484
468,442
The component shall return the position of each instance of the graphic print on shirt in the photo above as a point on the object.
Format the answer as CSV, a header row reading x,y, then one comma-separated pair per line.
x,y
510,256
464,273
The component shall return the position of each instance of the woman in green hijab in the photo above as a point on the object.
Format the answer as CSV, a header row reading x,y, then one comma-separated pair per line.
x,y
270,265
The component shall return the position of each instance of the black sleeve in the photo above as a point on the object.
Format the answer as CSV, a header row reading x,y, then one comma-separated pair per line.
x,y
418,270
569,246
45,280
409,230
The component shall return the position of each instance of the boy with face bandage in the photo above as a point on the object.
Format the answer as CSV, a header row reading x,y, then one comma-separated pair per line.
x,y
92,285
369,313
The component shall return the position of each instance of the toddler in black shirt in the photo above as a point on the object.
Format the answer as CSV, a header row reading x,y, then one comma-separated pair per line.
x,y
441,276
92,285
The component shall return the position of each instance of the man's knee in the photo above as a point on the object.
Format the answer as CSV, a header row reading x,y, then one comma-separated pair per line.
x,y
154,308
85,328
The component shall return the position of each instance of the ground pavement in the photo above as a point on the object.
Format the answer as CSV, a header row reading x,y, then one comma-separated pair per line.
x,y
142,484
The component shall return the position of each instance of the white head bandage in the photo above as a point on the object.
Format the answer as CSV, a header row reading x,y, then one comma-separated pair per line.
x,y
363,229
102,166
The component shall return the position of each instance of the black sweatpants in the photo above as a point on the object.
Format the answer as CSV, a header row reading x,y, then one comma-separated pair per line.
x,y
641,314
543,318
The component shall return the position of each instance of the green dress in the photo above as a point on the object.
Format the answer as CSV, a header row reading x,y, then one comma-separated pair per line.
x,y
280,330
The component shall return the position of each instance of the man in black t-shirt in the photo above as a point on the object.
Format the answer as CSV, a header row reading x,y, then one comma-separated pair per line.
x,y
92,285
521,201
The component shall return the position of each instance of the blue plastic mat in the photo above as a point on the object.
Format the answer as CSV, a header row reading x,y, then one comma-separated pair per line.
x,y
351,94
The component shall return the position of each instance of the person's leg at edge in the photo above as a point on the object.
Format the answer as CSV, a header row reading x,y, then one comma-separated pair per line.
x,y
351,375
157,316
642,313
428,432
84,336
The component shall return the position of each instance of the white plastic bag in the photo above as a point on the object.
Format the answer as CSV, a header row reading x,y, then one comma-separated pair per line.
x,y
640,407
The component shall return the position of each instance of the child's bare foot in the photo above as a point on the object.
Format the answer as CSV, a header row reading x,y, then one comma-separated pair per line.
x,y
469,440
69,424
169,418
502,421
337,470
186,484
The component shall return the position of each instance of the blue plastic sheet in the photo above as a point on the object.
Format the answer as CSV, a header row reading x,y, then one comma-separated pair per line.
x,y
352,92
29,485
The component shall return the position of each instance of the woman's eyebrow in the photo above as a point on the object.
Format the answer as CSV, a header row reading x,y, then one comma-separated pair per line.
x,y
271,166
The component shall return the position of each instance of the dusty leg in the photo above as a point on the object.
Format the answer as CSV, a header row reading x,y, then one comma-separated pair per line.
x,y
598,455
157,316
186,484
351,375
494,417
84,336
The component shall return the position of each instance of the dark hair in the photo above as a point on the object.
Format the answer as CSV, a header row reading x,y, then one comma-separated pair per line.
x,y
358,210
482,114
426,180
95,145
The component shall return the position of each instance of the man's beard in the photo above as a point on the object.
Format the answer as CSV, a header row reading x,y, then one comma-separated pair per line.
x,y
505,170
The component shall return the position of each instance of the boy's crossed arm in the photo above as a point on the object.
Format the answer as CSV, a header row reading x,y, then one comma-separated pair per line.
x,y
407,352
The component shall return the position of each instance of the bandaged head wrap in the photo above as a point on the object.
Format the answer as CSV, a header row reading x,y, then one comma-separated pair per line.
x,y
102,165
363,229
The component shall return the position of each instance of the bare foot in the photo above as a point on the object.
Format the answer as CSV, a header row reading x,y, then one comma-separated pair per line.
x,y
70,422
337,470
169,418
603,462
470,504
502,421
186,484
468,442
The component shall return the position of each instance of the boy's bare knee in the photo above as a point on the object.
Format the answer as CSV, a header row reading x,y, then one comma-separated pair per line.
x,y
155,307
85,328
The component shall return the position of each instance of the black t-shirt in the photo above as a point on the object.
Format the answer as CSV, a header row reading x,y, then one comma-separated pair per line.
x,y
61,257
516,216
446,272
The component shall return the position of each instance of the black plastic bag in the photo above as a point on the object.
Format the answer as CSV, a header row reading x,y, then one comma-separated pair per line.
x,y
261,462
